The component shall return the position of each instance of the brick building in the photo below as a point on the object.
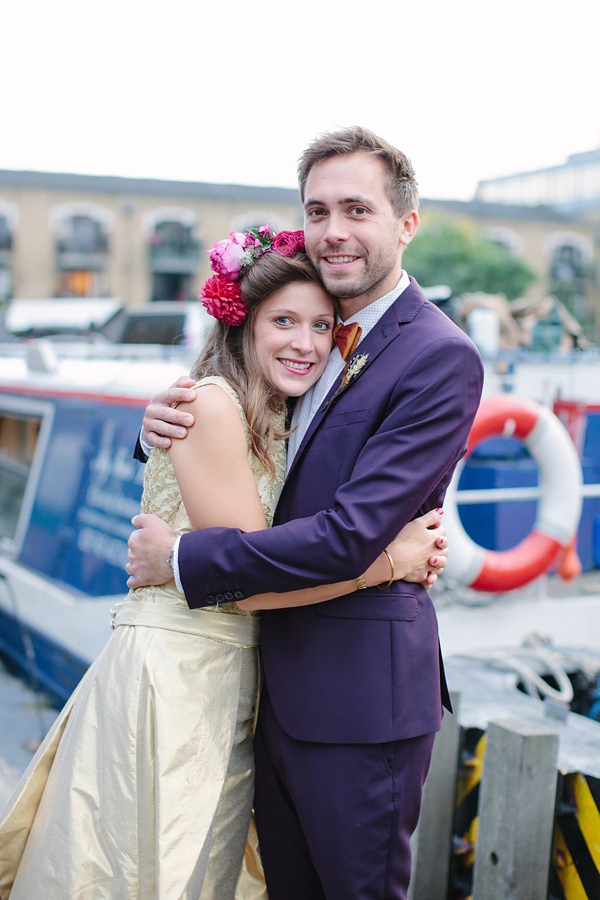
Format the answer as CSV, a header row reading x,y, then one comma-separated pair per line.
x,y
144,239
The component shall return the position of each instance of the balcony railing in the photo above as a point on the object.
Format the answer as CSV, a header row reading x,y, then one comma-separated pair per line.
x,y
69,257
174,259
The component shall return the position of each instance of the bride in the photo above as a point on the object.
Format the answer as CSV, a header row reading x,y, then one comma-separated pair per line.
x,y
143,787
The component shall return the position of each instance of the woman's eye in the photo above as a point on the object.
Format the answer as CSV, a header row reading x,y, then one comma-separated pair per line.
x,y
323,326
282,320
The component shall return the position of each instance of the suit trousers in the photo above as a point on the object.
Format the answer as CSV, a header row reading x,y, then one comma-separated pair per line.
x,y
334,820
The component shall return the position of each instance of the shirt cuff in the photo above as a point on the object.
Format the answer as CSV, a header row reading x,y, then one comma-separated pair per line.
x,y
146,447
175,562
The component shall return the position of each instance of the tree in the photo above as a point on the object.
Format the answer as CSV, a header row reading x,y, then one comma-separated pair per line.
x,y
446,252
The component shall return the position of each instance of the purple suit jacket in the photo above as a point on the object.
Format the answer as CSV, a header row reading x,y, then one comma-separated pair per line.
x,y
365,667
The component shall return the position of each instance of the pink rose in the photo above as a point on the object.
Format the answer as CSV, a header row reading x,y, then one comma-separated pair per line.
x,y
251,241
226,256
257,236
265,230
287,243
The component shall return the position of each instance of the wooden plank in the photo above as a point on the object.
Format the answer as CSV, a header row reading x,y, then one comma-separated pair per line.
x,y
516,812
432,844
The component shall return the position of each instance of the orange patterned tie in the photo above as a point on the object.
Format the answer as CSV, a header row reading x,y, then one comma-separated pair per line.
x,y
347,338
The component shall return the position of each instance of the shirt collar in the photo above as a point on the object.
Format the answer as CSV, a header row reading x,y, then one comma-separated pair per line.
x,y
368,317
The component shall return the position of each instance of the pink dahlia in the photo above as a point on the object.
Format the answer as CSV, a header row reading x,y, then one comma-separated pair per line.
x,y
223,300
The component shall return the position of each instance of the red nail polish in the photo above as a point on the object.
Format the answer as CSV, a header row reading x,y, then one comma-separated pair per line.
x,y
440,511
434,561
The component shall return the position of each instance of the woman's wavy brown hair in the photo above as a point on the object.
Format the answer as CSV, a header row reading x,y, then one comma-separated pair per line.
x,y
230,351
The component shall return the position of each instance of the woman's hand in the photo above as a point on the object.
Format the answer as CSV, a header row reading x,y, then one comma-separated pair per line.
x,y
162,422
419,553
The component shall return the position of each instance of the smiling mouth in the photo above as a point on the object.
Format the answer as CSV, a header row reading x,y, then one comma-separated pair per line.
x,y
300,368
339,260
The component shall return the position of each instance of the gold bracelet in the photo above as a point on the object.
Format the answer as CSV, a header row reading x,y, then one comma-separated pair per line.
x,y
391,581
361,584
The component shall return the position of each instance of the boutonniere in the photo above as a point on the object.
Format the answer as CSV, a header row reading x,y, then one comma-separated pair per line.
x,y
353,369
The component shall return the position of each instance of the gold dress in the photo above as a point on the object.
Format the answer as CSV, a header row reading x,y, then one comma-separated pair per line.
x,y
142,789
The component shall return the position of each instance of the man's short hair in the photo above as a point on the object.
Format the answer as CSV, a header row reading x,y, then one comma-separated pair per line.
x,y
401,184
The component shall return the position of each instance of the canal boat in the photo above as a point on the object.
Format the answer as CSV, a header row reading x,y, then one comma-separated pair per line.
x,y
69,486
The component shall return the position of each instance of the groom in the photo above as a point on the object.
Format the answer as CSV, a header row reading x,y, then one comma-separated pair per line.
x,y
354,686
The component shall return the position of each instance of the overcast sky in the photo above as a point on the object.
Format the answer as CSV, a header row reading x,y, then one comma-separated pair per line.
x,y
233,91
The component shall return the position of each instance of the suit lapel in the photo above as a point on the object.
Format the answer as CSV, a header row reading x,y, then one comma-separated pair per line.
x,y
387,329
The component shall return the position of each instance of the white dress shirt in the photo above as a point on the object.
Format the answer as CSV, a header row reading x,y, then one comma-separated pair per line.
x,y
310,402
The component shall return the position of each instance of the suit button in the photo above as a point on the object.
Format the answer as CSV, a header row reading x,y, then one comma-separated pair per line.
x,y
228,595
210,600
219,598
238,595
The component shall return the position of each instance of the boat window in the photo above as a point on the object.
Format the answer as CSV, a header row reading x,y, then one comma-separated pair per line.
x,y
18,439
25,426
141,328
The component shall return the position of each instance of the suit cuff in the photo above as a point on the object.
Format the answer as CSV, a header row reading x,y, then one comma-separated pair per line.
x,y
175,562
146,447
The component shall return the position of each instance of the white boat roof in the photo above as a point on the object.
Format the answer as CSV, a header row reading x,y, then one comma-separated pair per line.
x,y
136,371
60,313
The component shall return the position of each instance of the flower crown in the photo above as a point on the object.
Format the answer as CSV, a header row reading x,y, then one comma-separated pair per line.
x,y
231,258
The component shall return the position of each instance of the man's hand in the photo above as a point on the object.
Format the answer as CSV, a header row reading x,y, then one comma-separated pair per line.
x,y
162,422
148,552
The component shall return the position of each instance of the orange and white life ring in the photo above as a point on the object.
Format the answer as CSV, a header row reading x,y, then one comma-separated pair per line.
x,y
559,507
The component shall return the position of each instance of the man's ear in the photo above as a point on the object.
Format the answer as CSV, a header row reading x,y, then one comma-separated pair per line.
x,y
409,223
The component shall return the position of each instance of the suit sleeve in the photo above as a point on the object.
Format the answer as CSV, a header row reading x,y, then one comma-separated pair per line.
x,y
138,452
405,466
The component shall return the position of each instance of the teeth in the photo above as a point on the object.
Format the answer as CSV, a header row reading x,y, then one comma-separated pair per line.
x,y
296,365
339,259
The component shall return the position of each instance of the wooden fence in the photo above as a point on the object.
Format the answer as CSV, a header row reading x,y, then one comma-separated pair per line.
x,y
515,818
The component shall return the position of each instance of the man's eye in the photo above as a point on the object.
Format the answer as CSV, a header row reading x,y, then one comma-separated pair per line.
x,y
315,213
359,210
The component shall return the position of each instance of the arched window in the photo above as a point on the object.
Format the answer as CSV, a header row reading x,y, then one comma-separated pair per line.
x,y
505,237
570,273
84,234
174,238
567,264
174,252
5,233
82,247
9,217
